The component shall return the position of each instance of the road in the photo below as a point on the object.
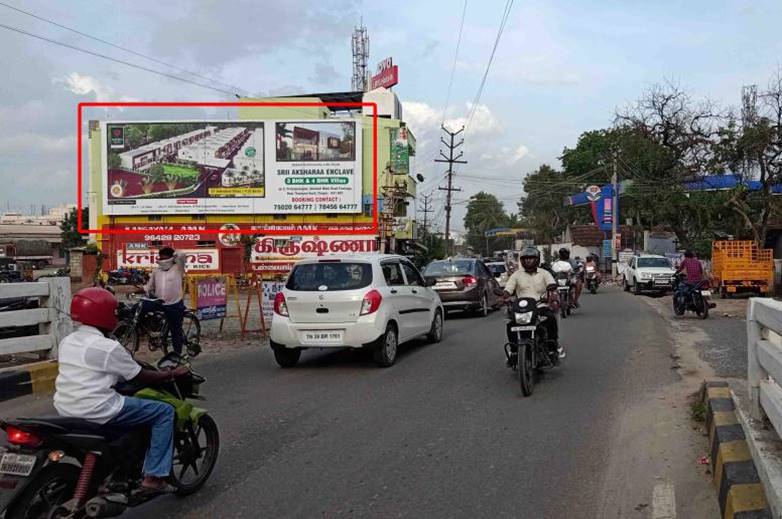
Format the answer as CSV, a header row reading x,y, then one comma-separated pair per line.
x,y
445,432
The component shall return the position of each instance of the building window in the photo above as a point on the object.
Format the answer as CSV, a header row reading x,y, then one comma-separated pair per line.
x,y
206,243
155,218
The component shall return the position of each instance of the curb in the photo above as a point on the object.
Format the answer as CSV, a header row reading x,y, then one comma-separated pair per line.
x,y
739,489
27,380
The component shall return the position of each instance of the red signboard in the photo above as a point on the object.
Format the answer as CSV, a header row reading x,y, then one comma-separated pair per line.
x,y
386,77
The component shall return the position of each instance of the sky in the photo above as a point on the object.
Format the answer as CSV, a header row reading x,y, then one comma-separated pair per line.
x,y
562,67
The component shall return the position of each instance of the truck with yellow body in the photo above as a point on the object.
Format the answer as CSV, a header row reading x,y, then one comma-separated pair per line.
x,y
741,266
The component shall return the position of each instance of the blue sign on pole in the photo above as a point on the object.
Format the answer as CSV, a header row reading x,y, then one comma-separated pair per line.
x,y
606,248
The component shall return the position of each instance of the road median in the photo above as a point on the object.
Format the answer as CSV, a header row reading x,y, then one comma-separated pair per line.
x,y
35,378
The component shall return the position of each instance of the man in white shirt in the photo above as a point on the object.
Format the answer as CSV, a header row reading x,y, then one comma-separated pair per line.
x,y
165,283
90,364
536,283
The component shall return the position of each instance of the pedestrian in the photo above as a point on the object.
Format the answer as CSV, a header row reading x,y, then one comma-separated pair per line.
x,y
165,284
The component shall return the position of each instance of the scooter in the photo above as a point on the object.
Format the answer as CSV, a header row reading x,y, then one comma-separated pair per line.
x,y
591,278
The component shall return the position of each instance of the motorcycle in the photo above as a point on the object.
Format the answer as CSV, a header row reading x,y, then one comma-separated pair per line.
x,y
693,298
592,281
123,276
68,468
565,286
532,350
134,322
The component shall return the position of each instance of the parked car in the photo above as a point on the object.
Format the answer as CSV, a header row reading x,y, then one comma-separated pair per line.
x,y
499,271
463,284
648,273
375,302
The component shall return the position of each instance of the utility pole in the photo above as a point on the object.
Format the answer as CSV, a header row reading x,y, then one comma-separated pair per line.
x,y
426,212
450,160
614,218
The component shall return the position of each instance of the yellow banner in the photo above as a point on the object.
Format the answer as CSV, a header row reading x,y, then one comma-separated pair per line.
x,y
237,191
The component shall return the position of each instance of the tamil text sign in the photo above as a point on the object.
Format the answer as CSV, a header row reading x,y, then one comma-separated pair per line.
x,y
276,255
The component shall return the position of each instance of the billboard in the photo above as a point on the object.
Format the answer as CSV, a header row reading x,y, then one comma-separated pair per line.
x,y
400,151
197,259
232,167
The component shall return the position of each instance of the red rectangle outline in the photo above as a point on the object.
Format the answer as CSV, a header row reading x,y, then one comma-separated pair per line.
x,y
81,106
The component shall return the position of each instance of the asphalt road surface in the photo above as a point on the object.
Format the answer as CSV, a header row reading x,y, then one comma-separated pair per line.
x,y
446,433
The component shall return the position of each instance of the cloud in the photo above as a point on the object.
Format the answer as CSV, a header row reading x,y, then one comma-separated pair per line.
x,y
325,73
28,142
86,85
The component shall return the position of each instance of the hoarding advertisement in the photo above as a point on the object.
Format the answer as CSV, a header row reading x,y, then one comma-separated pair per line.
x,y
278,254
400,151
232,167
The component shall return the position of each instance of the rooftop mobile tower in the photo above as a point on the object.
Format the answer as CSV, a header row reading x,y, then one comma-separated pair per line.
x,y
360,80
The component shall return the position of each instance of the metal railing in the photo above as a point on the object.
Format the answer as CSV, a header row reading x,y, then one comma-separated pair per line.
x,y
51,316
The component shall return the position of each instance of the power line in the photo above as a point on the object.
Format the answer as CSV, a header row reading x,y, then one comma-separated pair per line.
x,y
503,22
453,67
125,49
116,60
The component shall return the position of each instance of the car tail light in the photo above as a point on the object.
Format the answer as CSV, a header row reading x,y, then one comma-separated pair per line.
x,y
280,308
469,281
17,436
371,302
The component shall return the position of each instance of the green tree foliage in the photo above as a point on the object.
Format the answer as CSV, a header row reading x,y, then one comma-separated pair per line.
x,y
69,225
484,212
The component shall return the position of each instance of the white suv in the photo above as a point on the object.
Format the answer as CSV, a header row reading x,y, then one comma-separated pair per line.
x,y
375,301
648,272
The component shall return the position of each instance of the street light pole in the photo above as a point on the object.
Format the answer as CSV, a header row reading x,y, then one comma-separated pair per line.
x,y
614,218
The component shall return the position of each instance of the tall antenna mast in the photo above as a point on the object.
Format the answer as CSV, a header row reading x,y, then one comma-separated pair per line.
x,y
749,118
360,80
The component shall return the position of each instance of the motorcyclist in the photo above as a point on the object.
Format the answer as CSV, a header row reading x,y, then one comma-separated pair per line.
x,y
536,283
90,364
565,264
591,261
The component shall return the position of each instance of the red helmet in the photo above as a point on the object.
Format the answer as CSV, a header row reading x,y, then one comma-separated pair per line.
x,y
95,307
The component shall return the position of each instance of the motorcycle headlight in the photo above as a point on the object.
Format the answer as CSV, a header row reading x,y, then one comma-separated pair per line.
x,y
562,282
523,318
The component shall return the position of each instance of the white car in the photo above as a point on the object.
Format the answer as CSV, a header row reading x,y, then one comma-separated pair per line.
x,y
373,301
648,272
499,271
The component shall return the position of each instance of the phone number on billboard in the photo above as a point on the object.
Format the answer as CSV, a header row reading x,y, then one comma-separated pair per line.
x,y
313,207
174,237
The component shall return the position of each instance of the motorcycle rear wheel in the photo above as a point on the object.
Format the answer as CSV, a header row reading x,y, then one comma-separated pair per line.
x,y
525,368
199,459
51,488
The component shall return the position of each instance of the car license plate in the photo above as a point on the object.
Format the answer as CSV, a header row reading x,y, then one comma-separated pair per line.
x,y
522,328
323,337
661,282
445,285
17,464
706,293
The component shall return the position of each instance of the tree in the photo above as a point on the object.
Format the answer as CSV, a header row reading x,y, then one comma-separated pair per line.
x,y
70,234
542,206
484,212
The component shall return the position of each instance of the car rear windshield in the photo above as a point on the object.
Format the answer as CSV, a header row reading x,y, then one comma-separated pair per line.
x,y
439,268
329,276
496,268
654,262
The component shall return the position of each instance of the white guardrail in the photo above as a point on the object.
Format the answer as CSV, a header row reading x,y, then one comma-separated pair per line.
x,y
51,316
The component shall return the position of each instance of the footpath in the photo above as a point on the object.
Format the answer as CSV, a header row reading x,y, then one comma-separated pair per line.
x,y
745,456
